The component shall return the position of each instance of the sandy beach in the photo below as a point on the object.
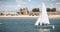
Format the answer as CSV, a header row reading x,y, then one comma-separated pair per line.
x,y
50,16
54,16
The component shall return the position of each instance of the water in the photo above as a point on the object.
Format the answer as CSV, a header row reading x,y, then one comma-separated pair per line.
x,y
26,25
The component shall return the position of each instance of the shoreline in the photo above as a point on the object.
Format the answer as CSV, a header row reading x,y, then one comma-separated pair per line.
x,y
27,16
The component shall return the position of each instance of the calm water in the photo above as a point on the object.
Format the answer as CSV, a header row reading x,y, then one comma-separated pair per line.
x,y
26,25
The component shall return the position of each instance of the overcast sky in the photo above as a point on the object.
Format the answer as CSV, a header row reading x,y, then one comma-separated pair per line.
x,y
15,5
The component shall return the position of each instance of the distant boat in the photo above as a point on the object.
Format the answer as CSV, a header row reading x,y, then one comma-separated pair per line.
x,y
43,20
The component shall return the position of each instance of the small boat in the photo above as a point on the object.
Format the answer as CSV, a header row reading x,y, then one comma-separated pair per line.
x,y
43,20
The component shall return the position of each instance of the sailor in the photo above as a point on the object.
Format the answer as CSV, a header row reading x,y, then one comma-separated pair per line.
x,y
42,24
46,24
39,23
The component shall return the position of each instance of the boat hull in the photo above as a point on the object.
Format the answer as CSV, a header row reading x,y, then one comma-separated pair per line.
x,y
46,26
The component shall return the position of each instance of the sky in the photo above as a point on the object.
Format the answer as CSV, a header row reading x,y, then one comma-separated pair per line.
x,y
15,5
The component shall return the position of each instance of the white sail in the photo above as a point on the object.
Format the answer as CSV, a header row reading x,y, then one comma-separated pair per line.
x,y
38,21
43,17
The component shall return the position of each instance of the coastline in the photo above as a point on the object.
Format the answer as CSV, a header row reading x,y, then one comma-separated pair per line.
x,y
27,16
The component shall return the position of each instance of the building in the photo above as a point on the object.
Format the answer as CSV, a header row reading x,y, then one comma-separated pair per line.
x,y
24,11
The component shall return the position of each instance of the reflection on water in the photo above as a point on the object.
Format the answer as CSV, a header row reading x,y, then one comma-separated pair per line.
x,y
43,30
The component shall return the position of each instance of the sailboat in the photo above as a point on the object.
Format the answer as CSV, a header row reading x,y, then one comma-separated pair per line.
x,y
43,20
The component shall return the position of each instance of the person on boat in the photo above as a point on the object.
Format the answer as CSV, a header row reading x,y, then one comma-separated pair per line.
x,y
46,24
43,24
39,23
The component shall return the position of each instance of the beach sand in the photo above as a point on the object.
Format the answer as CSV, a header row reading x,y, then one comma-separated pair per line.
x,y
50,16
54,16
